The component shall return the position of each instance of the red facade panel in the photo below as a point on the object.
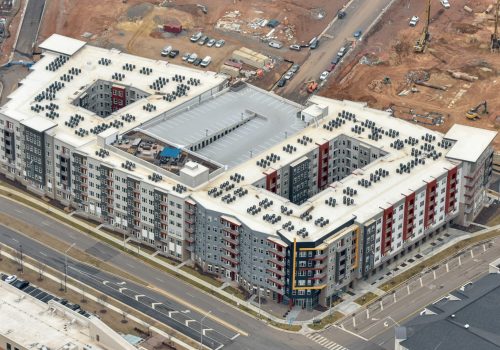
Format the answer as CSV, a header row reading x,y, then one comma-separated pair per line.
x,y
387,223
430,203
271,181
118,99
323,165
451,188
409,216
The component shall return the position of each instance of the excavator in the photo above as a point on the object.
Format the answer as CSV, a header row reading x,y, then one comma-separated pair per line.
x,y
421,43
311,86
495,41
474,113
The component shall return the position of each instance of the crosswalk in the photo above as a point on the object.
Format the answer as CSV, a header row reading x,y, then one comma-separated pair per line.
x,y
325,342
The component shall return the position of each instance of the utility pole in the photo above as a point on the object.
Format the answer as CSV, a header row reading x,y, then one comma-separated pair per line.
x,y
201,329
21,267
66,267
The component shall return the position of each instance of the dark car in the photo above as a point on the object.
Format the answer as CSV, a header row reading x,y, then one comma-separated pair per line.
x,y
341,14
197,61
281,82
173,53
314,44
21,284
336,60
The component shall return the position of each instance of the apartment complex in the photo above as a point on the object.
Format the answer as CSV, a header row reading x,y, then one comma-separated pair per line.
x,y
294,202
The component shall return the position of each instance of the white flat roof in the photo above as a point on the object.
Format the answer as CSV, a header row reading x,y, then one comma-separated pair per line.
x,y
27,321
39,124
470,142
62,44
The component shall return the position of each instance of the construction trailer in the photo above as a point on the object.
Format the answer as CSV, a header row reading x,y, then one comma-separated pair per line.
x,y
422,42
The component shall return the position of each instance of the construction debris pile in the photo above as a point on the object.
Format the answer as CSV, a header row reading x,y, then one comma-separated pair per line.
x,y
264,28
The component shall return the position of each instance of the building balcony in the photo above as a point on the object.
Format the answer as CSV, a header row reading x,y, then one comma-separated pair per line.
x,y
189,228
231,231
318,276
320,257
278,290
281,254
231,241
189,238
276,271
230,259
277,281
230,250
277,262
190,247
189,211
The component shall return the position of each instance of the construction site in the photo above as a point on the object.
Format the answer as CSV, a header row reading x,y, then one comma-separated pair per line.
x,y
442,71
139,27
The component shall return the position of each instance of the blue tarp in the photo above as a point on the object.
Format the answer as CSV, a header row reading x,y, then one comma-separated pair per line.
x,y
169,152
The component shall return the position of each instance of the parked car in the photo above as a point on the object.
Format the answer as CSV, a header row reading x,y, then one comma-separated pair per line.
x,y
197,61
206,61
357,34
186,56
445,3
220,43
211,42
11,279
192,58
295,68
295,47
342,52
165,51
314,44
20,284
276,44
281,82
288,75
173,53
341,14
203,40
195,37
414,20
324,75
330,67
336,60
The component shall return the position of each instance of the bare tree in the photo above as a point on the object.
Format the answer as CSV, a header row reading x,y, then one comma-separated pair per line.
x,y
41,270
103,298
84,298
124,315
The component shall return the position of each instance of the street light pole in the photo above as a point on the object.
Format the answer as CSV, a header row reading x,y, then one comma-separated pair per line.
x,y
201,329
66,267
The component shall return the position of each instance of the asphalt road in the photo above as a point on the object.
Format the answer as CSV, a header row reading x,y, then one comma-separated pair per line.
x,y
260,335
376,325
360,15
29,29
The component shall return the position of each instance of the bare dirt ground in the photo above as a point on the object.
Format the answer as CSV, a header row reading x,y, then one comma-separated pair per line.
x,y
459,42
14,20
135,26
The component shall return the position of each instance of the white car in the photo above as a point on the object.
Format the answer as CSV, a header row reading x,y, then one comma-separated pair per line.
x,y
276,44
414,20
220,43
192,58
288,75
166,50
11,279
445,3
211,42
186,56
324,75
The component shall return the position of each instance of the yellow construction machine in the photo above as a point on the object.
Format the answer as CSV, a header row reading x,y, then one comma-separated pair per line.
x,y
475,112
421,43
